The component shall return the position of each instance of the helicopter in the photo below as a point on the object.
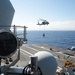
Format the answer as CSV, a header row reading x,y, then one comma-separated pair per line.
x,y
44,22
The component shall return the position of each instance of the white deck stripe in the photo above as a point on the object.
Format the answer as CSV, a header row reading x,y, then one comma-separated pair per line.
x,y
32,54
41,47
26,52
32,48
72,56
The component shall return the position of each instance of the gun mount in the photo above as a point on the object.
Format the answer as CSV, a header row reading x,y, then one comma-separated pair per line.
x,y
10,43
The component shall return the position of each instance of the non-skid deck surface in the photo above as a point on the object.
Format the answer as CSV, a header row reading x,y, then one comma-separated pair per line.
x,y
60,54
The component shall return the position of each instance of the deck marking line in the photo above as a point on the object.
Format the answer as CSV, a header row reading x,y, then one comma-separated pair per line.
x,y
41,47
26,52
32,54
56,57
38,50
32,48
72,56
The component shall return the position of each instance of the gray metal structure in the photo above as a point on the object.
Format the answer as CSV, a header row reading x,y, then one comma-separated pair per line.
x,y
6,14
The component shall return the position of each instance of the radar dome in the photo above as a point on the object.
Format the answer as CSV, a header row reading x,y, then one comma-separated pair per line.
x,y
47,63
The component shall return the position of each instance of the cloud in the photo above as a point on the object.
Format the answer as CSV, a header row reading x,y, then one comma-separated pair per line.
x,y
61,25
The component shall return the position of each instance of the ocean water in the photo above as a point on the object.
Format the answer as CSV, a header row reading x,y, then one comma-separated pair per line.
x,y
61,39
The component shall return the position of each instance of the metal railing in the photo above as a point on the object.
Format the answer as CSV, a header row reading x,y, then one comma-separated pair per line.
x,y
19,31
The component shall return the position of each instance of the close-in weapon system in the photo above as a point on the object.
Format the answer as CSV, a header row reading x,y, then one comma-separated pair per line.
x,y
10,42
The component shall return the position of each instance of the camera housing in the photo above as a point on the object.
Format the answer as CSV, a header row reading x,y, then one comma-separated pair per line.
x,y
8,43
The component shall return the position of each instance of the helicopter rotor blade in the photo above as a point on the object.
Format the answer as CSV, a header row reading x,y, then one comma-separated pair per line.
x,y
42,19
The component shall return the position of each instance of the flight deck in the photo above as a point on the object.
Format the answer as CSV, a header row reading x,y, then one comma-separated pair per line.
x,y
60,54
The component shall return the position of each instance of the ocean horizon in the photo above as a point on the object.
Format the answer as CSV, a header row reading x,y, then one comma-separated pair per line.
x,y
61,39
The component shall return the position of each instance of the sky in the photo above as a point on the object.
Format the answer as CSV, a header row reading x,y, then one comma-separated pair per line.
x,y
59,13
